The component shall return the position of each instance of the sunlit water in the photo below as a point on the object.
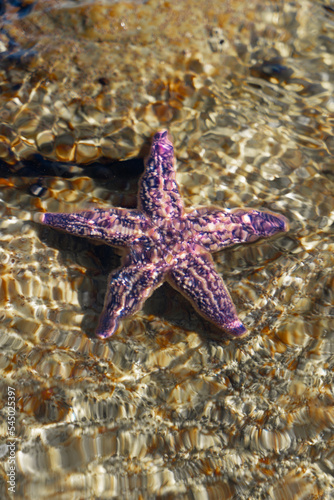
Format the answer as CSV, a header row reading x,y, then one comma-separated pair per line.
x,y
167,408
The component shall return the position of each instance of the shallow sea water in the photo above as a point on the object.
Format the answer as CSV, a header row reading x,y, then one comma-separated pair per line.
x,y
167,408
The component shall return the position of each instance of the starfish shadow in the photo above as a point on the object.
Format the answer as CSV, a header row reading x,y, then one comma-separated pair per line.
x,y
169,305
99,261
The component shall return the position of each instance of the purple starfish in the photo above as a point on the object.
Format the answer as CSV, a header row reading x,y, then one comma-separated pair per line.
x,y
167,243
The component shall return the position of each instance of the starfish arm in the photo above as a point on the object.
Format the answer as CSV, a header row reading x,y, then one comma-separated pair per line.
x,y
215,229
117,226
197,279
159,195
128,289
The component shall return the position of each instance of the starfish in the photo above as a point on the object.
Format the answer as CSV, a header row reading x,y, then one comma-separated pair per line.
x,y
167,243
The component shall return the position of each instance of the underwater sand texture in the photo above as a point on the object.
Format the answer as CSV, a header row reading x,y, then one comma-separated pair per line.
x,y
168,408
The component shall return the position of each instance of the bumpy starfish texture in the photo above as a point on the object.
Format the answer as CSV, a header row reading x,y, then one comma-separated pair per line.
x,y
167,243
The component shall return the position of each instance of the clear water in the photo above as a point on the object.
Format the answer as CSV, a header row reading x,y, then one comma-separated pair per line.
x,y
167,408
